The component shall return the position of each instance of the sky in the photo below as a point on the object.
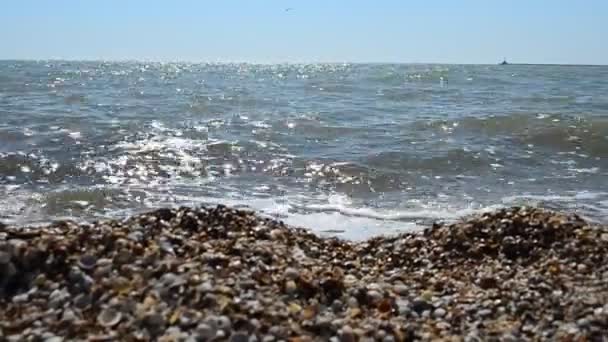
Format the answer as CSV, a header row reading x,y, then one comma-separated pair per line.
x,y
263,31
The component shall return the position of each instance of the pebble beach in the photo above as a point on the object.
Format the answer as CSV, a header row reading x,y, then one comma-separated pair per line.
x,y
217,273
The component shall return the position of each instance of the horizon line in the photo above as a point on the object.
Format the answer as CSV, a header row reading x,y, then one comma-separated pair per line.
x,y
167,61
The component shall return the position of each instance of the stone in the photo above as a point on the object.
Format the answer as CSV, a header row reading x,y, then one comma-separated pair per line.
x,y
373,296
239,337
439,313
21,299
205,331
420,305
109,318
291,273
400,289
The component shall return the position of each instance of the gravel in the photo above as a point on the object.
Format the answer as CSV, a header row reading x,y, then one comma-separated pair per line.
x,y
204,274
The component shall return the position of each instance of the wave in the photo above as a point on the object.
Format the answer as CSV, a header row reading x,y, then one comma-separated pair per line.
x,y
450,161
586,134
30,168
336,214
593,205
405,95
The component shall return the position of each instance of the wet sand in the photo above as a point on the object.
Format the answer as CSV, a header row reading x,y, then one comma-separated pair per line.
x,y
209,274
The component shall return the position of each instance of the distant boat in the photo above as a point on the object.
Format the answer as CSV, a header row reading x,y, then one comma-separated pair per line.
x,y
504,62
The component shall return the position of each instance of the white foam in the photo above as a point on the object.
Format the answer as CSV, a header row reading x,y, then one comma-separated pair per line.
x,y
75,135
571,197
338,215
158,125
348,227
340,223
81,203
420,213
591,170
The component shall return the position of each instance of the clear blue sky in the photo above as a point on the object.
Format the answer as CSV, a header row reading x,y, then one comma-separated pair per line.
x,y
448,31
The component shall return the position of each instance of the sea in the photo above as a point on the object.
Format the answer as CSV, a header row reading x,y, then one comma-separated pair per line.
x,y
346,150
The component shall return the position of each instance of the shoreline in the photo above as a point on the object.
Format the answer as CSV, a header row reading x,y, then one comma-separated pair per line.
x,y
218,273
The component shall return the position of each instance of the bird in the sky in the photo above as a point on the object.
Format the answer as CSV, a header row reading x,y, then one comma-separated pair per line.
x,y
288,9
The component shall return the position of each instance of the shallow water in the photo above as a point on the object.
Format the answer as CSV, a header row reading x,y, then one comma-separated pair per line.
x,y
349,150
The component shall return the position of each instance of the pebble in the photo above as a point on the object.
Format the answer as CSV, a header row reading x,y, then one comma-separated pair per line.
x,y
239,337
352,302
401,289
347,334
350,280
54,339
57,298
374,296
5,258
485,313
109,318
403,307
337,305
87,262
205,331
439,313
380,335
291,273
223,322
20,299
290,286
420,305
82,300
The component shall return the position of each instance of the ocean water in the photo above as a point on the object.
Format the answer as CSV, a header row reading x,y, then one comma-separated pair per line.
x,y
352,150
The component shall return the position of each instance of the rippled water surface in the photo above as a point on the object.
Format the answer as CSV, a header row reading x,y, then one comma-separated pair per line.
x,y
352,150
